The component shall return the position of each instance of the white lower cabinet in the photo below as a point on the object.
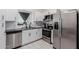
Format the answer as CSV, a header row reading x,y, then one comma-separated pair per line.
x,y
31,35
27,36
38,33
2,37
2,33
2,40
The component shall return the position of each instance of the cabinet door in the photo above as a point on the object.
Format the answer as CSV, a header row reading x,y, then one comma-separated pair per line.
x,y
2,40
39,16
39,33
33,35
2,34
10,14
26,37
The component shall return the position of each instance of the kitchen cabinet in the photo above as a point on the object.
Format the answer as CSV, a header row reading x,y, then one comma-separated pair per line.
x,y
10,14
31,35
2,32
38,33
37,16
2,40
26,36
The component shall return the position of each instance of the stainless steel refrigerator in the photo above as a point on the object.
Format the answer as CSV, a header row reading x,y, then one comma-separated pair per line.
x,y
65,30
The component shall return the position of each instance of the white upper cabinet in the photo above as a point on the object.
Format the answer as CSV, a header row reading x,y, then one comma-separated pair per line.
x,y
36,16
10,14
2,32
39,16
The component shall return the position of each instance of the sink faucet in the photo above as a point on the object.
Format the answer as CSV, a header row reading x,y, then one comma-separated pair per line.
x,y
30,25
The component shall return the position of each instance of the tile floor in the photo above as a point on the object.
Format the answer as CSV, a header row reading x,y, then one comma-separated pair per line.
x,y
40,44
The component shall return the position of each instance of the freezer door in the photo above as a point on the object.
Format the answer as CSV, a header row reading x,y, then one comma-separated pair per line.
x,y
57,30
69,24
56,36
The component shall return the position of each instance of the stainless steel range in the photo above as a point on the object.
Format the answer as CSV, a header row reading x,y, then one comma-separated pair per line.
x,y
48,27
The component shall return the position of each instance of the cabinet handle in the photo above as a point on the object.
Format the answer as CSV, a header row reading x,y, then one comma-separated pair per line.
x,y
36,32
29,34
15,18
2,20
2,24
2,17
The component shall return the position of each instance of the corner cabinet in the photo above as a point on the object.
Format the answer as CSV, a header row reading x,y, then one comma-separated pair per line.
x,y
29,36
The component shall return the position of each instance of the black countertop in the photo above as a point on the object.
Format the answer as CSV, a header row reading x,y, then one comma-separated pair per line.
x,y
20,29
32,28
13,31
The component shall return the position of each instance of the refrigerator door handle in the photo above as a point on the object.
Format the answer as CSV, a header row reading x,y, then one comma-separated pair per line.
x,y
56,26
61,28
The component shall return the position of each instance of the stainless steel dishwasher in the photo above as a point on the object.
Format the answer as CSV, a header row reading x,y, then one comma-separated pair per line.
x,y
13,39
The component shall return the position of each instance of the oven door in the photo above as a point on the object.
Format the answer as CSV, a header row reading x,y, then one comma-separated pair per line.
x,y
47,36
47,33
